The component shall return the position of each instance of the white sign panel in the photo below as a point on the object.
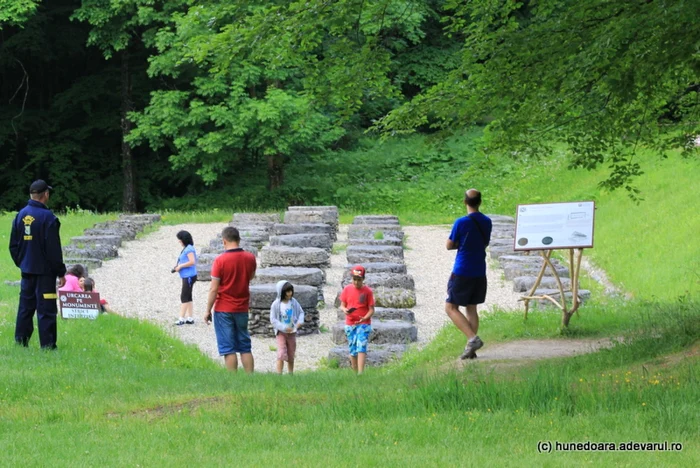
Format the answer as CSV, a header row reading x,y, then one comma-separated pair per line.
x,y
79,304
547,226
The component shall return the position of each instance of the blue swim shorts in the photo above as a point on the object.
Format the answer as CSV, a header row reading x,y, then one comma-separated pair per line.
x,y
358,338
232,334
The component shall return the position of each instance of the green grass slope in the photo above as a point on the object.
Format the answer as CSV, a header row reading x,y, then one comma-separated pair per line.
x,y
122,392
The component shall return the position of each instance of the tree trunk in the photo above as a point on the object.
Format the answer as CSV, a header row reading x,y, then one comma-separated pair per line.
x,y
129,193
275,171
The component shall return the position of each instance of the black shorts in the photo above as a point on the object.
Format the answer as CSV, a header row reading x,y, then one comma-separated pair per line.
x,y
187,284
466,290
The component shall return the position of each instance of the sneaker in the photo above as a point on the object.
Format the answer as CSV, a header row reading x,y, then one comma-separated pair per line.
x,y
180,322
189,321
470,349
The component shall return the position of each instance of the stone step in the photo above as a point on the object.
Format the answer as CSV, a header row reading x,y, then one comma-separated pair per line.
x,y
377,355
255,218
263,295
89,241
386,241
387,313
294,256
363,258
525,283
501,242
130,229
126,234
383,332
389,297
374,231
295,275
145,218
376,219
513,270
101,252
532,259
498,251
312,216
503,234
377,267
321,241
280,229
385,280
313,208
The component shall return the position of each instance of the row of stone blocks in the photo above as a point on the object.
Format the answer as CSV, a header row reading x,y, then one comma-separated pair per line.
x,y
103,240
296,251
522,267
376,242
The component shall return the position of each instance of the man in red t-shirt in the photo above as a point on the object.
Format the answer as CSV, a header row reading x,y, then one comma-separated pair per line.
x,y
229,295
357,301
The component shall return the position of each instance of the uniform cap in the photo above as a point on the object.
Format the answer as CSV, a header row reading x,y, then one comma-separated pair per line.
x,y
39,186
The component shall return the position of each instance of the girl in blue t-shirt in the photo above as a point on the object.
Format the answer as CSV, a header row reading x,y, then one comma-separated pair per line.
x,y
187,268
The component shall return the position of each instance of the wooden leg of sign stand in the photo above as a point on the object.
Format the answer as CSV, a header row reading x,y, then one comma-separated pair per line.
x,y
574,267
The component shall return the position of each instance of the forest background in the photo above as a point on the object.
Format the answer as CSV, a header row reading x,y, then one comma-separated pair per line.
x,y
143,104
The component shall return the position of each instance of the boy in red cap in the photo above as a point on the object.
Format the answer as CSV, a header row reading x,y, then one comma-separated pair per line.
x,y
357,301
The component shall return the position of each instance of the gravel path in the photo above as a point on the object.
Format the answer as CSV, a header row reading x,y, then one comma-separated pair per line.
x,y
139,284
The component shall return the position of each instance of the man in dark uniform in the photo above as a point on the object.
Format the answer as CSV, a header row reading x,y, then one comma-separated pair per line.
x,y
35,246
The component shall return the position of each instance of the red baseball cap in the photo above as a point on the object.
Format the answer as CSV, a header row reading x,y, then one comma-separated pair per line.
x,y
358,270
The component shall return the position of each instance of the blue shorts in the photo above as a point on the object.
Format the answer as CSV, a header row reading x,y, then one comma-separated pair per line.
x,y
358,338
466,290
232,332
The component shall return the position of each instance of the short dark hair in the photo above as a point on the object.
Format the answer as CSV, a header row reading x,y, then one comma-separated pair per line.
x,y
88,284
76,270
474,201
231,234
185,237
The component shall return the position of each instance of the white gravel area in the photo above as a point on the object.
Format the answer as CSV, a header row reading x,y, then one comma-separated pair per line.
x,y
139,284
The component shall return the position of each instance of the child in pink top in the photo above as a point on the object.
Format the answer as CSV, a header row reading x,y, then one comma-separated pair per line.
x,y
73,276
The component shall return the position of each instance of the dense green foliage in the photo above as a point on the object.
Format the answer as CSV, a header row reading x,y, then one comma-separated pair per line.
x,y
606,78
125,104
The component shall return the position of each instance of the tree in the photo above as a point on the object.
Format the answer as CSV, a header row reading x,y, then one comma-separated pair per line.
x,y
272,79
16,12
604,77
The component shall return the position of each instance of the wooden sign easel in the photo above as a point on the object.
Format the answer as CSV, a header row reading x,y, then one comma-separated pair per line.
x,y
574,268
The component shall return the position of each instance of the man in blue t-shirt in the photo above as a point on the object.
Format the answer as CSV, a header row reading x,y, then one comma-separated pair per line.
x,y
466,287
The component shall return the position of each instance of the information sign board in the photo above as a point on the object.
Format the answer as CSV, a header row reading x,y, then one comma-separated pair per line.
x,y
547,226
79,304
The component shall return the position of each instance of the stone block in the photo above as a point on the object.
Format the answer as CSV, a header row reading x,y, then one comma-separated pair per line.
x,y
501,219
90,241
294,256
321,241
387,313
280,229
130,229
312,216
126,234
100,252
385,280
383,332
374,231
263,295
377,355
255,218
376,219
295,275
145,218
395,241
313,208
